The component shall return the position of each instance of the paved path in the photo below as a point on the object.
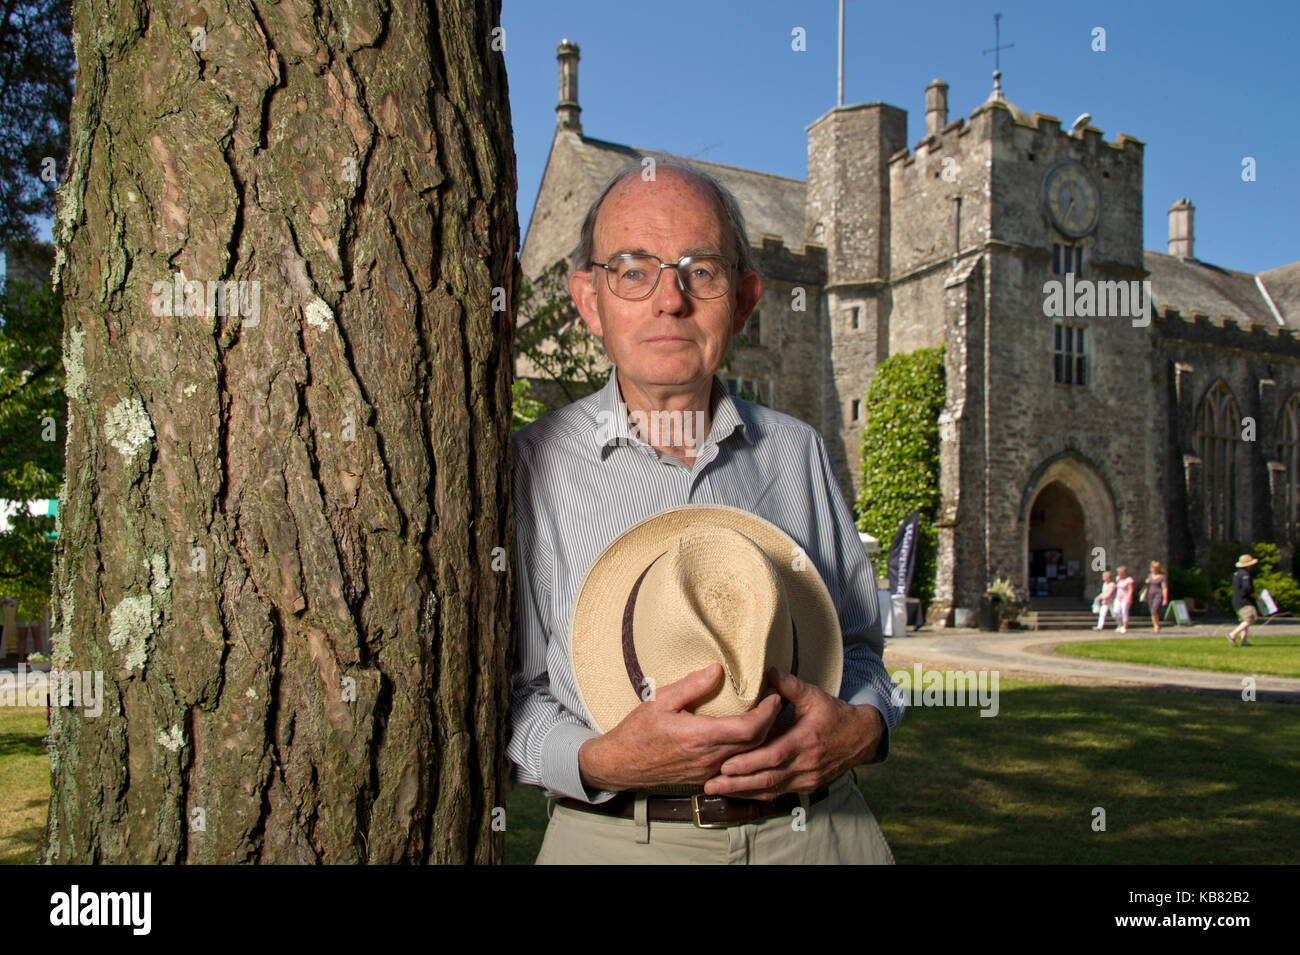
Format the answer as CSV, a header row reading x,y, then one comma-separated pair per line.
x,y
1031,655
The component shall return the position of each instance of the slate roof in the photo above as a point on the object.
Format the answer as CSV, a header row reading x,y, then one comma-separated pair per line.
x,y
1189,285
1283,284
773,205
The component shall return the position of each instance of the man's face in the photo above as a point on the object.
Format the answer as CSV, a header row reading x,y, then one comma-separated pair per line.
x,y
670,338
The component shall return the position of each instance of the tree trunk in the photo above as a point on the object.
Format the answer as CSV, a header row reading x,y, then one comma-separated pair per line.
x,y
282,523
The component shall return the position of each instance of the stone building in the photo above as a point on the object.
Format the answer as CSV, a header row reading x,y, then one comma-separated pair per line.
x,y
1142,407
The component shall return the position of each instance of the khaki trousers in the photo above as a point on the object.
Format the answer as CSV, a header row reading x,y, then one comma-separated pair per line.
x,y
839,830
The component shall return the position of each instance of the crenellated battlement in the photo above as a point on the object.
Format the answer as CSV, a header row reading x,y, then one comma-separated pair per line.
x,y
1036,124
949,136
775,258
1226,332
1043,125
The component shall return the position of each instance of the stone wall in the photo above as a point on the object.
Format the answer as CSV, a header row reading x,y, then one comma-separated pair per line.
x,y
925,185
962,564
1260,365
567,188
848,188
849,212
932,233
792,339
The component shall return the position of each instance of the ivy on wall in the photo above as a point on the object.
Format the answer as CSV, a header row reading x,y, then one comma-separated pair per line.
x,y
900,457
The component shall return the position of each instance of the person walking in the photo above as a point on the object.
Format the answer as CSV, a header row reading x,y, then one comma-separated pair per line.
x,y
1155,591
1104,599
1243,599
1123,598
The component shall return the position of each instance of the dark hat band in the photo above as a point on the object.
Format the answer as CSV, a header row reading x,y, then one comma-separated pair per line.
x,y
633,667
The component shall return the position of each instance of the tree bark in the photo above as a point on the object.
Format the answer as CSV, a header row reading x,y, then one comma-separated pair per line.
x,y
281,525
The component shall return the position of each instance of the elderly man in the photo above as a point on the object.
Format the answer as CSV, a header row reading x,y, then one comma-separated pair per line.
x,y
664,276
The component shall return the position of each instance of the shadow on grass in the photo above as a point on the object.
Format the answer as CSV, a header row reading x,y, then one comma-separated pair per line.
x,y
1180,778
20,845
28,838
21,744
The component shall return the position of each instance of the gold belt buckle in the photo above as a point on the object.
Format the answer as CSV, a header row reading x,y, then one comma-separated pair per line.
x,y
695,813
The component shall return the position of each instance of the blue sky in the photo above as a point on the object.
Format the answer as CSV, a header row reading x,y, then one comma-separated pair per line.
x,y
1203,85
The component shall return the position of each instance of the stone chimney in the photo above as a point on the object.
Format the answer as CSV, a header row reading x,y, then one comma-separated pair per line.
x,y
1181,234
936,106
566,113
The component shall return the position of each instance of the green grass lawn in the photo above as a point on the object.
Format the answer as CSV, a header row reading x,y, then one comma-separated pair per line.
x,y
24,783
1183,778
1274,654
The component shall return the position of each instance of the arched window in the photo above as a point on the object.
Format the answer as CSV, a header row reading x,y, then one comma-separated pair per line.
x,y
1288,452
1218,436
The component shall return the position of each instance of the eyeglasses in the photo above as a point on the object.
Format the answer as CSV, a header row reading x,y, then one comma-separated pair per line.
x,y
635,277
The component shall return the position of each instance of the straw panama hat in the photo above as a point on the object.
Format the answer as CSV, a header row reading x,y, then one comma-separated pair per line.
x,y
1245,560
694,585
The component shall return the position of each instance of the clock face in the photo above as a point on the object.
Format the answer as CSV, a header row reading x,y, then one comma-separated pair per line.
x,y
1071,199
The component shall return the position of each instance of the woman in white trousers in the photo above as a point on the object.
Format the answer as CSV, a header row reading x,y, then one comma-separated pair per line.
x,y
1104,599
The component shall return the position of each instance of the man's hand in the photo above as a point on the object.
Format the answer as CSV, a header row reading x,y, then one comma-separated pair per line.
x,y
828,738
662,742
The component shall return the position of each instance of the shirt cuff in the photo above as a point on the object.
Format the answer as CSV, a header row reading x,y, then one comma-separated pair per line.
x,y
870,696
560,773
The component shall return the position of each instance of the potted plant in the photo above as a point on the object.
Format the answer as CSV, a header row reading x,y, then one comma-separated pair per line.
x,y
39,661
988,611
1007,606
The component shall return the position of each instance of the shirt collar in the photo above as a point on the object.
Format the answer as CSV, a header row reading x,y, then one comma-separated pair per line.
x,y
613,429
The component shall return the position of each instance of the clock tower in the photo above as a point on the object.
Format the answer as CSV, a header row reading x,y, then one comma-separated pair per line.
x,y
1044,411
1069,402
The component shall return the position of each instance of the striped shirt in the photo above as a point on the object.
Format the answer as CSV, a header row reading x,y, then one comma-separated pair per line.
x,y
582,476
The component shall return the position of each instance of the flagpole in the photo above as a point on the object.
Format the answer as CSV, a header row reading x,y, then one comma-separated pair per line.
x,y
840,98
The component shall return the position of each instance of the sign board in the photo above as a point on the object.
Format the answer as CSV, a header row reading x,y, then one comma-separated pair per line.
x,y
1179,609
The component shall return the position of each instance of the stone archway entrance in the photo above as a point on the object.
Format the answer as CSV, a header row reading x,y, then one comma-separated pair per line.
x,y
1068,512
1058,553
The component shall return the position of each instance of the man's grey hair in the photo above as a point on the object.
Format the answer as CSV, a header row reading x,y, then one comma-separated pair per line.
x,y
733,221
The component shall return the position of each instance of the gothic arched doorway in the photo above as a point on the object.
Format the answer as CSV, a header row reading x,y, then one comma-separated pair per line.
x,y
1068,513
1058,554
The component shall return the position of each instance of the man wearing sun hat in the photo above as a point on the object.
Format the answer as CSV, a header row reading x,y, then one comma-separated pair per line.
x,y
1243,599
699,662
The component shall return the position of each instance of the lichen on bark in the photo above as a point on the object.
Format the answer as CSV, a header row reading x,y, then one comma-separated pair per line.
x,y
321,544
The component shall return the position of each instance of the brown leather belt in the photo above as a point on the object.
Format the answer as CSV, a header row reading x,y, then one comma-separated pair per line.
x,y
704,812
